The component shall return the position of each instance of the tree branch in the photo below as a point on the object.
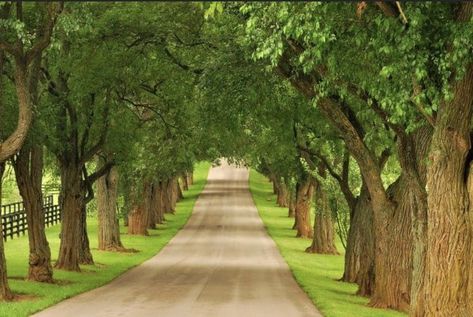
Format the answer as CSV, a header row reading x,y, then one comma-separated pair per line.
x,y
152,89
322,158
181,65
88,125
149,107
5,46
88,186
388,9
333,111
100,172
342,180
180,41
45,32
89,154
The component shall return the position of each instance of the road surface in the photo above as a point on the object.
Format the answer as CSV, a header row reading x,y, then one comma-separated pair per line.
x,y
221,264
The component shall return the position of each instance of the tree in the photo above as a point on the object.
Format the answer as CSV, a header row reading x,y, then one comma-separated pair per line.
x,y
324,233
107,201
24,52
309,63
24,40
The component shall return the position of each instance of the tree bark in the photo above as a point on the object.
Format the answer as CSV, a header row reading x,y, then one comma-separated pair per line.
x,y
304,195
168,196
190,178
29,174
85,256
5,292
172,194
25,113
151,206
323,241
138,218
407,256
76,192
292,206
155,206
396,261
282,194
275,185
107,195
179,195
71,201
294,225
160,208
449,233
185,181
359,255
165,196
23,59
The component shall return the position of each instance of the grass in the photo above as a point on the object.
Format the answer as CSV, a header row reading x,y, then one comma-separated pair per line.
x,y
108,265
10,193
316,274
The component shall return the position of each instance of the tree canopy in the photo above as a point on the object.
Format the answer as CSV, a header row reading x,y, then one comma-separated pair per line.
x,y
363,108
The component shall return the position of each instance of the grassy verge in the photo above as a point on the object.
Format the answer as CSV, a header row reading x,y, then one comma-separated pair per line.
x,y
108,264
315,273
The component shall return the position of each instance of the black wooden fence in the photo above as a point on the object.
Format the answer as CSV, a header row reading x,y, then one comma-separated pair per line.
x,y
14,217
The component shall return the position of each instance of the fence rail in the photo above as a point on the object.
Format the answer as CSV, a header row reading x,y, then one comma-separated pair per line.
x,y
14,221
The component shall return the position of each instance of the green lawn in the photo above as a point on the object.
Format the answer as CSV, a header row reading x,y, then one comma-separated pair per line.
x,y
316,274
108,264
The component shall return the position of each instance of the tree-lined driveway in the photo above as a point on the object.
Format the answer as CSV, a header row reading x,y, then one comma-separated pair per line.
x,y
222,263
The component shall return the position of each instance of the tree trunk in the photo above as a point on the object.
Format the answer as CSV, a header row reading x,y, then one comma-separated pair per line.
x,y
449,232
155,204
138,218
172,192
359,255
292,206
126,205
5,292
275,185
185,181
396,259
137,222
85,256
282,195
167,196
29,174
14,142
294,226
151,206
107,195
416,173
304,195
407,220
179,195
324,233
160,208
71,201
190,178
